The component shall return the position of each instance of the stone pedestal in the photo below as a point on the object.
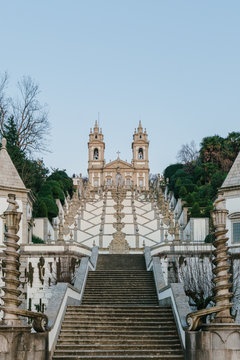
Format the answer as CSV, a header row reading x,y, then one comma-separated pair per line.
x,y
18,343
214,342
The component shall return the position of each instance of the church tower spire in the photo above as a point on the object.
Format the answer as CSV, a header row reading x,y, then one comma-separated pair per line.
x,y
96,162
140,161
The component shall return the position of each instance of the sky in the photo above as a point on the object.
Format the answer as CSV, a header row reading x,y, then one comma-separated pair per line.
x,y
174,64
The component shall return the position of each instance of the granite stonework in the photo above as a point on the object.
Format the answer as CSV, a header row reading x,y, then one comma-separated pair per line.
x,y
41,267
11,182
18,343
214,342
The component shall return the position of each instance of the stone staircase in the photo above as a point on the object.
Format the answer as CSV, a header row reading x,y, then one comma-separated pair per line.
x,y
119,317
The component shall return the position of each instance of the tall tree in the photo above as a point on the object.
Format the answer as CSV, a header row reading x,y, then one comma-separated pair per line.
x,y
28,114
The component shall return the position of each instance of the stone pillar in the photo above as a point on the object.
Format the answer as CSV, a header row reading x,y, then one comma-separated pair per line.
x,y
16,340
11,278
60,240
219,339
221,261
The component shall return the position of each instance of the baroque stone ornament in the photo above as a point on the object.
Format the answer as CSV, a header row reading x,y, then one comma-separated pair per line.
x,y
11,273
119,244
222,278
11,278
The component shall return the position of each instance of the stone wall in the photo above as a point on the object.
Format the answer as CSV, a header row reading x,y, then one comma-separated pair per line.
x,y
19,343
42,267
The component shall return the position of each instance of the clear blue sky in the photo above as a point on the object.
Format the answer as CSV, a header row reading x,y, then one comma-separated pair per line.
x,y
174,63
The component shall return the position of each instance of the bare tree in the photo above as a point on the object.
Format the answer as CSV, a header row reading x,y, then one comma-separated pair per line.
x,y
196,275
188,153
29,115
195,272
4,102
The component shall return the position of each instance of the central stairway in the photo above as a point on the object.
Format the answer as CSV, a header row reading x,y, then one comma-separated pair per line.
x,y
119,317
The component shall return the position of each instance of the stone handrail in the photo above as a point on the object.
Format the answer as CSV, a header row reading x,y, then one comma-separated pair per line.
x,y
148,257
194,318
174,295
65,294
171,295
39,322
94,257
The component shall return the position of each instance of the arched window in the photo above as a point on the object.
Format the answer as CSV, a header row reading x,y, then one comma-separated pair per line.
x,y
140,154
95,154
128,181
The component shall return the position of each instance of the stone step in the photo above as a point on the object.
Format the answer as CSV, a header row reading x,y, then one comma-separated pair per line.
x,y
119,296
133,288
118,357
131,274
139,346
118,292
112,340
112,313
121,327
117,283
109,318
119,317
121,261
118,352
119,309
120,302
136,332
126,300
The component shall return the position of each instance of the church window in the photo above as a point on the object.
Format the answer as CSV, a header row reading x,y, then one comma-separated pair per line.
x,y
141,182
235,227
95,136
109,182
96,183
140,154
95,154
128,182
140,136
236,232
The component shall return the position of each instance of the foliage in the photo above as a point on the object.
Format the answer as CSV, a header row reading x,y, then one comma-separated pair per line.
x,y
197,181
52,209
64,181
37,240
46,189
210,238
57,186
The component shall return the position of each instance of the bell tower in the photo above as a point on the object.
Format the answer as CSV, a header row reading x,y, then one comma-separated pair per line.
x,y
96,162
140,161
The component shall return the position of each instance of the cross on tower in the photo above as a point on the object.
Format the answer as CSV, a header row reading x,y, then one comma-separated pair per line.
x,y
118,152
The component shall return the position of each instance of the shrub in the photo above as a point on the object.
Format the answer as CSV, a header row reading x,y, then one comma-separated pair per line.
x,y
37,240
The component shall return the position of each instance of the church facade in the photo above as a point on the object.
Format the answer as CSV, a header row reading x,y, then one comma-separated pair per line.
x,y
118,172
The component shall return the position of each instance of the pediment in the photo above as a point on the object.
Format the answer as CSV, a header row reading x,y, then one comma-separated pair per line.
x,y
118,164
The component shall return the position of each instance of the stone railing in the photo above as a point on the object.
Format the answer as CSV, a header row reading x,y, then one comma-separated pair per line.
x,y
171,295
65,294
174,295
